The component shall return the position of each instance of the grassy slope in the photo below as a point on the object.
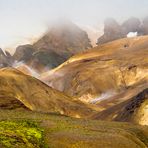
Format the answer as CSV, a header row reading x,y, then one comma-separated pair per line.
x,y
20,134
64,132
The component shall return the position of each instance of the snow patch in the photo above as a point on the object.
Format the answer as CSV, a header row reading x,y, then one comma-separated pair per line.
x,y
132,34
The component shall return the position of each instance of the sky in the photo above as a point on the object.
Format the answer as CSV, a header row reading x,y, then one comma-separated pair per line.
x,y
23,21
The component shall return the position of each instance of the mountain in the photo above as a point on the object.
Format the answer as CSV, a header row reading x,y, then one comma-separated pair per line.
x,y
29,117
131,25
112,31
5,59
61,42
65,39
24,53
103,70
108,83
20,90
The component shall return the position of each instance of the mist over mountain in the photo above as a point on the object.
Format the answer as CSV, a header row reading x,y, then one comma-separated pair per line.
x,y
61,42
65,39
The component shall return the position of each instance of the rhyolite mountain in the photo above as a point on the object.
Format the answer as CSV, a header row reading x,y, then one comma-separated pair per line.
x,y
61,42
110,67
108,83
105,76
34,115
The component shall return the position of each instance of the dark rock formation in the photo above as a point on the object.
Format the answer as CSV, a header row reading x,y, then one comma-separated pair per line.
x,y
65,39
132,106
24,53
131,25
5,59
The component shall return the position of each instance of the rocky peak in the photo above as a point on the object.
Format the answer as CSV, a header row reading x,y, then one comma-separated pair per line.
x,y
5,59
60,42
65,39
23,52
131,25
145,26
112,31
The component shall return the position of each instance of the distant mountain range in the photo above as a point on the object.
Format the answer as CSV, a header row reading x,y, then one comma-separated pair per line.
x,y
113,30
65,39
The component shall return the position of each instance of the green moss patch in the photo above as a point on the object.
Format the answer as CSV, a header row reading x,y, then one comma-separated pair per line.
x,y
20,134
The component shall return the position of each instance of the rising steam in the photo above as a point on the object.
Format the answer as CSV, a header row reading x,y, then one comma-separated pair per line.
x,y
25,68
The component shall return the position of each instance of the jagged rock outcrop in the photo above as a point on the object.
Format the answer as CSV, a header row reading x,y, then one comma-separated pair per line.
x,y
56,46
27,54
65,39
136,109
114,31
145,26
131,25
24,53
5,59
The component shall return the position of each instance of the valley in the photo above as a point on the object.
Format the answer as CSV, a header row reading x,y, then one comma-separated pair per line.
x,y
60,92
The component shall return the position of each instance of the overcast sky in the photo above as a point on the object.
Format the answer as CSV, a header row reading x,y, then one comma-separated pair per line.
x,y
24,20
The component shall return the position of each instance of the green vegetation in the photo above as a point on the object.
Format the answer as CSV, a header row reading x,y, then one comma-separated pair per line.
x,y
20,134
65,132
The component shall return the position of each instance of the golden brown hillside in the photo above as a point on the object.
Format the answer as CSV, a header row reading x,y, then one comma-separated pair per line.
x,y
106,76
20,90
106,70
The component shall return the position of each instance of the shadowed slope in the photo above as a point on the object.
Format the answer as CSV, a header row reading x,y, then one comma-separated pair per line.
x,y
134,110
